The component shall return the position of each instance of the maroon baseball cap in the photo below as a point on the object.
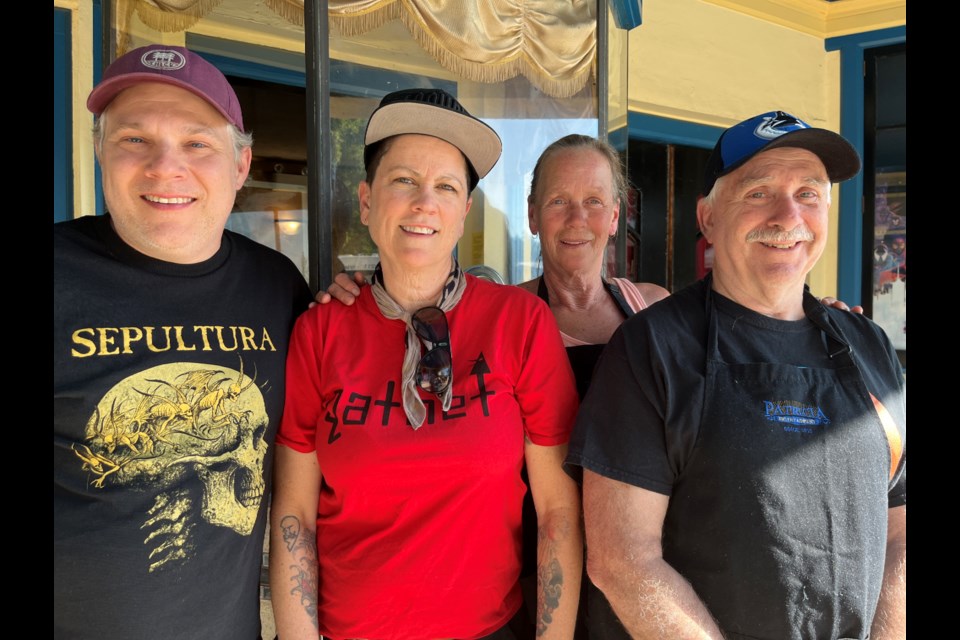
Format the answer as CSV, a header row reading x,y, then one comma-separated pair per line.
x,y
171,65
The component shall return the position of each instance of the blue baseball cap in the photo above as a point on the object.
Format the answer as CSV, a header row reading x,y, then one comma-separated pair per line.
x,y
775,129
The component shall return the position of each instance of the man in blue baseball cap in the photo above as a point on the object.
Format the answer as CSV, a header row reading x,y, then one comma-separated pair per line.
x,y
742,445
169,345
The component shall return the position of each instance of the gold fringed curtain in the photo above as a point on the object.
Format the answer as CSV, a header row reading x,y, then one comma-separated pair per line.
x,y
289,10
171,15
550,42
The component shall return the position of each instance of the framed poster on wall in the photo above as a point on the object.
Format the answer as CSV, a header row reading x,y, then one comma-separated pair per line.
x,y
885,192
890,256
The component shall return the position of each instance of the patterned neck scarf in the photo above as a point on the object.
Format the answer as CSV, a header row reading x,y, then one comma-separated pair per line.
x,y
452,292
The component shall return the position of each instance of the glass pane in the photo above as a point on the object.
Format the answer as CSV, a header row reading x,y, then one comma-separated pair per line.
x,y
496,234
274,214
507,244
62,123
618,135
271,208
648,218
353,250
687,184
889,167
891,90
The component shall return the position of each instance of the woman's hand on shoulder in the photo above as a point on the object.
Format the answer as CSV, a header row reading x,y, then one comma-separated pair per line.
x,y
344,289
830,301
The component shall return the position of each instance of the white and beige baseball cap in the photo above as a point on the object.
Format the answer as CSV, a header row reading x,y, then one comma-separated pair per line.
x,y
434,112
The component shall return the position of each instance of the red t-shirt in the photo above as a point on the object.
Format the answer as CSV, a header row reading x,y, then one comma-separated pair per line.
x,y
418,532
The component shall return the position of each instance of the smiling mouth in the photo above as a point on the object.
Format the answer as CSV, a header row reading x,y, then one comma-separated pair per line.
x,y
420,231
161,200
782,240
780,246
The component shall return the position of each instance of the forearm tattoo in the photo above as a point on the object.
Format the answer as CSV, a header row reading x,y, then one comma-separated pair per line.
x,y
290,526
549,582
302,543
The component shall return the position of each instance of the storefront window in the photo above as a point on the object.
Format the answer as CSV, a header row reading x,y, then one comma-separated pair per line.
x,y
271,208
270,81
496,233
885,182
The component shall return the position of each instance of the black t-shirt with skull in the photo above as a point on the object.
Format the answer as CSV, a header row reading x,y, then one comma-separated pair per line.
x,y
168,389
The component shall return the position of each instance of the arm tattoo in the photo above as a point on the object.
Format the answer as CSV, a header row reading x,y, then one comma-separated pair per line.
x,y
549,589
290,526
302,543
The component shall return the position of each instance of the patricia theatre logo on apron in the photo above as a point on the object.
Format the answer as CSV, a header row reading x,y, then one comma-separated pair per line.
x,y
790,412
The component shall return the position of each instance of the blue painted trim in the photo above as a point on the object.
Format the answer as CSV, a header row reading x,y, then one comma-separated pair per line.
x,y
670,131
99,204
255,70
627,13
351,79
850,258
346,78
867,40
62,123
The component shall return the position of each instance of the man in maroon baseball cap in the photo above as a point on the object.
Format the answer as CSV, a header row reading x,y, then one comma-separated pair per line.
x,y
170,341
151,102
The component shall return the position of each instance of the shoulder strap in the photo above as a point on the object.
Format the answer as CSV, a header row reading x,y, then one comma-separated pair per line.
x,y
838,347
542,292
614,290
611,287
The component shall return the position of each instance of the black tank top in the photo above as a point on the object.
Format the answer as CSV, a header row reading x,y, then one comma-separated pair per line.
x,y
583,358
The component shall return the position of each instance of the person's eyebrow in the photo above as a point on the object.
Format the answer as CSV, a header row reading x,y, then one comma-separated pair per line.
x,y
418,174
754,181
191,129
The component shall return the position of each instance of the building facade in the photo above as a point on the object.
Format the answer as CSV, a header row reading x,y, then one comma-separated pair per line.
x,y
660,85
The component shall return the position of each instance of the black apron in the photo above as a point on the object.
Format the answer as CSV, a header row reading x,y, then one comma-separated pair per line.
x,y
779,518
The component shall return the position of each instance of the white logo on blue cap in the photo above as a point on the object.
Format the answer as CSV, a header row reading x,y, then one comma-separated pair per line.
x,y
775,126
163,60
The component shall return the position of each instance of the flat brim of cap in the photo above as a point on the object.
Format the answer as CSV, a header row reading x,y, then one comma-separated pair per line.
x,y
838,156
478,142
104,93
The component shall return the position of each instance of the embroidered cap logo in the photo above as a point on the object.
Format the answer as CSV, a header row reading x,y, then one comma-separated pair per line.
x,y
163,60
778,125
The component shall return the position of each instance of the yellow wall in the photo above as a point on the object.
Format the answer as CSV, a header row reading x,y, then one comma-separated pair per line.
x,y
701,63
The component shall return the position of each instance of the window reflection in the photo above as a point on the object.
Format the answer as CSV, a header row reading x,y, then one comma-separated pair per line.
x,y
272,206
275,215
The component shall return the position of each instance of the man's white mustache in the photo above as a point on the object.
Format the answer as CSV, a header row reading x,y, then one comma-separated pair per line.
x,y
773,236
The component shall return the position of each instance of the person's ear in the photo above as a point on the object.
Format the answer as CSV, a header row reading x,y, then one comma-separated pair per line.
x,y
614,223
363,194
705,218
532,217
463,218
243,167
